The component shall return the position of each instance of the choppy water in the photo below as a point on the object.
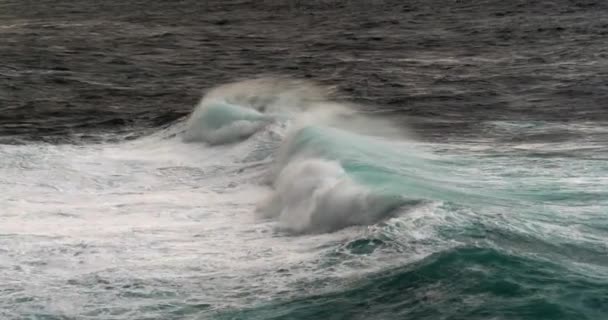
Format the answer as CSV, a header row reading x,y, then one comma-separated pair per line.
x,y
271,202
451,164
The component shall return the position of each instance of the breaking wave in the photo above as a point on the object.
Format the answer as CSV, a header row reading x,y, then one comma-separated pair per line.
x,y
331,166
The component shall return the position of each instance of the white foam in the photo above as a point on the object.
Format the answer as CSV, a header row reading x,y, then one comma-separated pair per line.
x,y
315,195
159,215
156,214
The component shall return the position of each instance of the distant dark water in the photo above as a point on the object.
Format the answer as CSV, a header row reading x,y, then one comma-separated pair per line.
x,y
109,215
70,67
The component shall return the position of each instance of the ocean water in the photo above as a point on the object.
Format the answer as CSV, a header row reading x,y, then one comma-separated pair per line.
x,y
231,159
270,201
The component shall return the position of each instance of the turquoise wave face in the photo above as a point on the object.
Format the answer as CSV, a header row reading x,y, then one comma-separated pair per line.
x,y
221,123
218,115
391,167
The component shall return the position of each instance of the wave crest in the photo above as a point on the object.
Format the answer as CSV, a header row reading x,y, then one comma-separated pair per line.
x,y
316,195
314,178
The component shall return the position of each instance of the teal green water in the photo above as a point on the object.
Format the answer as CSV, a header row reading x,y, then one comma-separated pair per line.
x,y
528,232
519,231
387,166
469,282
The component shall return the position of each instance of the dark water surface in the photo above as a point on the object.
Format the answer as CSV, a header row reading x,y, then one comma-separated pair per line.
x,y
72,66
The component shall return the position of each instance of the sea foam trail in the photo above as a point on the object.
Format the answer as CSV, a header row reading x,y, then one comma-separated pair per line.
x,y
331,166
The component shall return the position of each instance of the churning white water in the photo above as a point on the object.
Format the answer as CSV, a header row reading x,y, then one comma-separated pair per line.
x,y
166,227
271,193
